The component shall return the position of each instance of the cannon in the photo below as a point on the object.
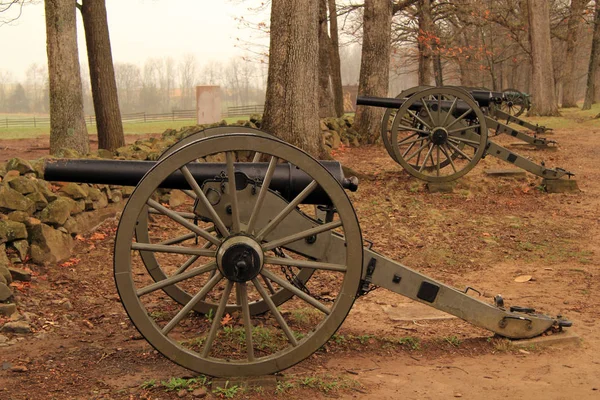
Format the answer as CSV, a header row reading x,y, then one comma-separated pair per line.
x,y
240,278
438,134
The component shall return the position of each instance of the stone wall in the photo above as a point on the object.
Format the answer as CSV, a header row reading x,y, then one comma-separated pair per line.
x,y
39,220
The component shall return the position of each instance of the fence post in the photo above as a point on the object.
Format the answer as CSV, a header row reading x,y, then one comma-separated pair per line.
x,y
144,116
7,122
173,115
34,124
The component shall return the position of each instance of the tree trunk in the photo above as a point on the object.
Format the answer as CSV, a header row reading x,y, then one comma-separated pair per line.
x,y
423,42
291,109
374,65
542,77
102,75
570,78
589,92
67,121
326,107
336,69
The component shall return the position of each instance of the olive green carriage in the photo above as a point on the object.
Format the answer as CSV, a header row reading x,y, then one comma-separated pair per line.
x,y
256,262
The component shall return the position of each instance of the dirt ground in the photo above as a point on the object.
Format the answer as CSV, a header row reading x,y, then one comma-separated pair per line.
x,y
484,234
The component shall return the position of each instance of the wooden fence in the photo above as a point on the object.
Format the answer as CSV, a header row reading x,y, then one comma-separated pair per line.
x,y
140,117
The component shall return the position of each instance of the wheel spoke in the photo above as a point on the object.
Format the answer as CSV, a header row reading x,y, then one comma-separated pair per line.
x,y
256,157
465,128
456,139
191,260
450,111
437,166
242,295
268,284
235,210
415,116
286,329
305,264
459,151
301,235
177,218
178,239
416,152
217,319
160,248
427,109
419,139
288,209
203,200
306,297
186,215
449,158
211,266
426,157
409,128
261,195
408,149
469,111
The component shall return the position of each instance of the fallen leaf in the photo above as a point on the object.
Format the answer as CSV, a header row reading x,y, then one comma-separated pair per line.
x,y
80,238
523,278
226,319
98,236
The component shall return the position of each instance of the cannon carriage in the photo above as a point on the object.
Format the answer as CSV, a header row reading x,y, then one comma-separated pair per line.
x,y
438,134
259,263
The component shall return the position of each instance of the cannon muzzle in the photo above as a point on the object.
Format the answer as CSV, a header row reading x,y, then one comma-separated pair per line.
x,y
288,180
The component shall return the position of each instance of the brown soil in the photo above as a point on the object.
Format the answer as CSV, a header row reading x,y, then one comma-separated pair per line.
x,y
484,234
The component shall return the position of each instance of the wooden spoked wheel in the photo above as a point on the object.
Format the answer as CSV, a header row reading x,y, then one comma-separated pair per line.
x,y
258,233
390,114
513,103
153,266
451,137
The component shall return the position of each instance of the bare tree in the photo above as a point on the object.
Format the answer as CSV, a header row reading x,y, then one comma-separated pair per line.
x,y
570,82
127,76
593,63
374,65
542,77
188,68
336,72
326,108
291,109
36,77
67,123
102,75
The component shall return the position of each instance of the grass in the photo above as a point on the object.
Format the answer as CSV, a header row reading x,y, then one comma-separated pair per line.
x,y
130,128
227,392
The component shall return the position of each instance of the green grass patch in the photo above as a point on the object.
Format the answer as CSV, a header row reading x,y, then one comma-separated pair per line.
x,y
129,128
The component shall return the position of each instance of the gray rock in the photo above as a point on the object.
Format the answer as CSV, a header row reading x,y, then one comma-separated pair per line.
x,y
16,327
18,216
57,212
20,165
101,203
44,189
11,200
49,245
22,247
94,194
19,274
116,196
38,199
23,185
74,191
7,309
3,280
103,153
11,230
5,292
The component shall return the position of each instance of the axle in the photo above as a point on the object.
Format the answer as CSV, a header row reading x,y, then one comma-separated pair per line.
x,y
288,180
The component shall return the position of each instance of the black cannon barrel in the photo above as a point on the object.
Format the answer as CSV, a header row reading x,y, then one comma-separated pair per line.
x,y
288,180
459,108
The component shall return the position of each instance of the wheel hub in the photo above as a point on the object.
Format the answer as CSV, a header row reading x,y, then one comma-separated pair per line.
x,y
439,136
240,258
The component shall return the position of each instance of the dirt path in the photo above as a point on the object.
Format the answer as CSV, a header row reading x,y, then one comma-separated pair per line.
x,y
483,235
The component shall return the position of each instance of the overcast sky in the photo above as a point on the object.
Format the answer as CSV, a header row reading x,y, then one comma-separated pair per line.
x,y
139,29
